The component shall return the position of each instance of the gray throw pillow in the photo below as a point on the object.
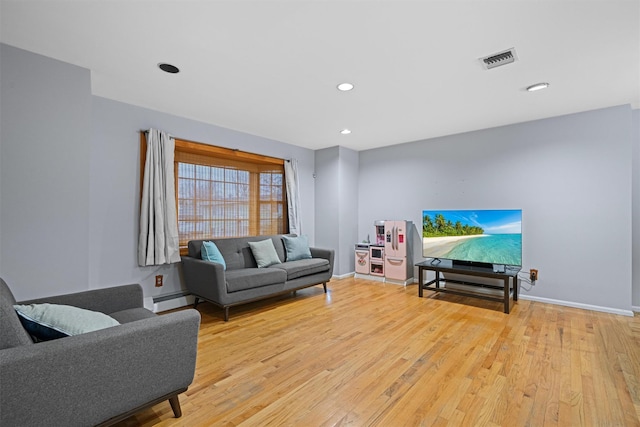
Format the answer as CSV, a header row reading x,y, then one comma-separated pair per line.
x,y
264,252
297,247
51,321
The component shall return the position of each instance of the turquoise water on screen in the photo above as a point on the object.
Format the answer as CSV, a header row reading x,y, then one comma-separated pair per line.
x,y
491,248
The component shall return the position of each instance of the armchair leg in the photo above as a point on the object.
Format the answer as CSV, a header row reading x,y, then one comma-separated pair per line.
x,y
175,405
324,285
195,303
226,314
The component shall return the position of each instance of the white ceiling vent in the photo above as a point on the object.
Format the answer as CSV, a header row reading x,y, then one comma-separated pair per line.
x,y
498,59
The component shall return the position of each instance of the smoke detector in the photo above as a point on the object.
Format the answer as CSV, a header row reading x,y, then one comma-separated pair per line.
x,y
499,59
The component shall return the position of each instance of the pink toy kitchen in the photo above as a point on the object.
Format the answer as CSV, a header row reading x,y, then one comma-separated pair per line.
x,y
389,257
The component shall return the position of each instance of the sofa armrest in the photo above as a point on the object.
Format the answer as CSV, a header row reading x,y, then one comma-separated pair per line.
x,y
204,278
107,300
327,254
89,378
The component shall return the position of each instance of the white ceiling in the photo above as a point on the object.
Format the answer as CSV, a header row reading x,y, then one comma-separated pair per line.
x,y
270,68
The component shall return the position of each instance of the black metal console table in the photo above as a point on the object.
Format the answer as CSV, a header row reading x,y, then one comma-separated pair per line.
x,y
509,278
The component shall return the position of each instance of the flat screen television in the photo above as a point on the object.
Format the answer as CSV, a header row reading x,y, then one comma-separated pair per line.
x,y
473,237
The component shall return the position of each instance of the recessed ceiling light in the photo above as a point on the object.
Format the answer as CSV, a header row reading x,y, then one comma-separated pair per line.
x,y
344,87
537,86
168,68
345,131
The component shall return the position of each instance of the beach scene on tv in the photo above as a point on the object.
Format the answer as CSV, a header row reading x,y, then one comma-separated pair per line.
x,y
490,236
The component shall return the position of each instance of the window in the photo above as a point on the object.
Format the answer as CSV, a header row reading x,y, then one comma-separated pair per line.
x,y
227,193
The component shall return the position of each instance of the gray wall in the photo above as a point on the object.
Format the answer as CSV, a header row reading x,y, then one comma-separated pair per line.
x,y
69,183
571,175
348,219
326,198
70,179
337,204
45,154
115,175
635,187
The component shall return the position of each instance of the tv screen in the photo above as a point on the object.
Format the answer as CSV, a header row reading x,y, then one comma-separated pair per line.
x,y
475,236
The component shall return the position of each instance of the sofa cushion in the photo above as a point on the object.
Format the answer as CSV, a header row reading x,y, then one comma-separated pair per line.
x,y
236,253
303,267
297,247
211,253
132,314
12,333
51,321
250,278
264,252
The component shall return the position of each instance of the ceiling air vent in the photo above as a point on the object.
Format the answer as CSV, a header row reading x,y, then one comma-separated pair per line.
x,y
499,59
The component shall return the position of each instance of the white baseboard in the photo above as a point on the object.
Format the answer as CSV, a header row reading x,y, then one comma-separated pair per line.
x,y
578,305
384,279
399,282
369,277
342,276
635,308
182,301
170,304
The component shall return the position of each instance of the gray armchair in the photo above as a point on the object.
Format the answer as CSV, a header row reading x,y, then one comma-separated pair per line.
x,y
100,377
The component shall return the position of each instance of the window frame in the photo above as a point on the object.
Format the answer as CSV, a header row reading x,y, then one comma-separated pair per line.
x,y
217,152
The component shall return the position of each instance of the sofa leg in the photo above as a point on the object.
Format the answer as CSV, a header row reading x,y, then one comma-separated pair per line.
x,y
324,285
195,303
226,314
175,405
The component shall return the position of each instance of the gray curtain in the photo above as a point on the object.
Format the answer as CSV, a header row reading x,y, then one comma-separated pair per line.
x,y
158,239
293,195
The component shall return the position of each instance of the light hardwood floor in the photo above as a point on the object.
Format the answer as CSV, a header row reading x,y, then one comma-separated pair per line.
x,y
374,354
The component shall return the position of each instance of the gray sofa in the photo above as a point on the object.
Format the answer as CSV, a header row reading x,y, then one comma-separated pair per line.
x,y
243,281
99,377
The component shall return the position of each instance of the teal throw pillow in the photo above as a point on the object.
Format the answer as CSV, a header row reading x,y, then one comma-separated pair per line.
x,y
47,322
297,247
264,252
211,253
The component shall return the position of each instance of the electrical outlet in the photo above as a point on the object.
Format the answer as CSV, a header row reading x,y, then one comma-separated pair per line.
x,y
533,274
158,280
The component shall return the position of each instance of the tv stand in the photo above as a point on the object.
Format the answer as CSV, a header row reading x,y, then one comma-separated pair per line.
x,y
457,263
471,289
